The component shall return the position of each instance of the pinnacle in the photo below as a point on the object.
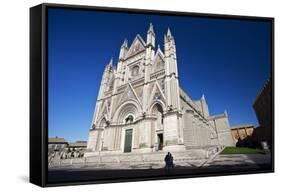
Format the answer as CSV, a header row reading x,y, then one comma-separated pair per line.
x,y
169,32
150,28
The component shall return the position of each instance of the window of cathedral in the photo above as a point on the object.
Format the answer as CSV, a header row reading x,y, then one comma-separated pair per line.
x,y
135,70
129,119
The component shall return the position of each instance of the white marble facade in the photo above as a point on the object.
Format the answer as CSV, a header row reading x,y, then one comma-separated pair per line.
x,y
141,107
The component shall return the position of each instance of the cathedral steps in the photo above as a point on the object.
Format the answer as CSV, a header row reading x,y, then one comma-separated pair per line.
x,y
191,157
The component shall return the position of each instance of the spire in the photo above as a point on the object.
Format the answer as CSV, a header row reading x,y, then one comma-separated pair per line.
x,y
169,34
171,71
109,66
203,97
123,49
225,113
111,61
150,38
150,28
125,43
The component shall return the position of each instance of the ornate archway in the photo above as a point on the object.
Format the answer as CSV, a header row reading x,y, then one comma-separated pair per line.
x,y
158,124
102,123
126,112
157,110
156,103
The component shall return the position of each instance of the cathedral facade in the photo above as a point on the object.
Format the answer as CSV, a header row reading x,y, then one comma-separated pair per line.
x,y
142,108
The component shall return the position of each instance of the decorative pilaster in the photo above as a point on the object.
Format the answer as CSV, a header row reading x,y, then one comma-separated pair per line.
x,y
171,73
172,133
149,56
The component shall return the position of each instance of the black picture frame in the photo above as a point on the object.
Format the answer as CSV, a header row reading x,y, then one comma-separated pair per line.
x,y
39,91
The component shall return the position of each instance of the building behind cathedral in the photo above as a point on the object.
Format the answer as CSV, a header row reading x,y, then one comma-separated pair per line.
x,y
141,107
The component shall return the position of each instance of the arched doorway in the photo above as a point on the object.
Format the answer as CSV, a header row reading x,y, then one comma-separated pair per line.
x,y
157,110
128,134
128,140
125,116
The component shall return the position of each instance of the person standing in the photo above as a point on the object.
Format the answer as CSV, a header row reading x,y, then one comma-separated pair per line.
x,y
167,160
171,160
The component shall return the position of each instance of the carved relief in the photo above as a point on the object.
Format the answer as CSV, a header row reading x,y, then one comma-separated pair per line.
x,y
137,46
129,94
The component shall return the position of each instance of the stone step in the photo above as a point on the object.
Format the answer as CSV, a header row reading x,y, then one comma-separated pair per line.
x,y
190,156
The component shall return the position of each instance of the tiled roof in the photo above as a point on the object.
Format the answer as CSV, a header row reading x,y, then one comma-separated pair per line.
x,y
78,144
56,140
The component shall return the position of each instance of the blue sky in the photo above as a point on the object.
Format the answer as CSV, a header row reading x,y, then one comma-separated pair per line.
x,y
226,60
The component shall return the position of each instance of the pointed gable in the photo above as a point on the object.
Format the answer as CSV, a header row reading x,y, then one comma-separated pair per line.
x,y
137,46
156,94
129,94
